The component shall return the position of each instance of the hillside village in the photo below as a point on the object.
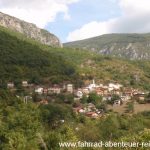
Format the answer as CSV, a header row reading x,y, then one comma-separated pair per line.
x,y
45,94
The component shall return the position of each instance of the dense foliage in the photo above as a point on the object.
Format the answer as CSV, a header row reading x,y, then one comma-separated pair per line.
x,y
37,127
20,59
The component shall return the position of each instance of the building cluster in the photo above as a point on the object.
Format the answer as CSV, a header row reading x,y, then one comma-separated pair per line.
x,y
107,92
42,89
89,110
55,89
11,85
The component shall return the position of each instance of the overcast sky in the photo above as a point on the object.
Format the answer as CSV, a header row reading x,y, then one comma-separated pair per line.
x,y
74,20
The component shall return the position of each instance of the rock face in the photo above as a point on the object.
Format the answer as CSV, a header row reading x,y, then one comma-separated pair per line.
x,y
130,46
29,30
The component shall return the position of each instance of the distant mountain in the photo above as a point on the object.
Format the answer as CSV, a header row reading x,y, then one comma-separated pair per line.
x,y
29,30
132,46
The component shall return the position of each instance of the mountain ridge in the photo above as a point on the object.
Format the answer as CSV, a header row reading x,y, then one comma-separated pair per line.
x,y
30,30
132,46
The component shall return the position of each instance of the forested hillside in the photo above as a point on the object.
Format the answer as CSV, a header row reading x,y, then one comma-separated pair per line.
x,y
29,126
25,59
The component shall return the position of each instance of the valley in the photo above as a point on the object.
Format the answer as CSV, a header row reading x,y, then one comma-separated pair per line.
x,y
50,94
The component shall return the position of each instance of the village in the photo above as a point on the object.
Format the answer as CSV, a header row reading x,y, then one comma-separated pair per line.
x,y
105,92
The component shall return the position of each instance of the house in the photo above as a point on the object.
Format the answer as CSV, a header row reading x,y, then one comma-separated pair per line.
x,y
99,111
90,107
25,83
45,90
85,91
108,97
100,91
54,90
70,88
140,96
116,92
39,90
92,115
10,85
79,109
105,90
124,98
117,102
92,86
79,93
114,86
128,93
43,102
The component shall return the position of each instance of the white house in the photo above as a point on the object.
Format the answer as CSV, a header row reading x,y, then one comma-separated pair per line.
x,y
92,86
39,90
79,94
24,83
113,86
10,85
70,88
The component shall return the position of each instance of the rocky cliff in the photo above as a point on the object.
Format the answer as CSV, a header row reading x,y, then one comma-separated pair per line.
x,y
29,30
130,46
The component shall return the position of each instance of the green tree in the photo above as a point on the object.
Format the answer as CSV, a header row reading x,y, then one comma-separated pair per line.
x,y
130,107
94,98
84,99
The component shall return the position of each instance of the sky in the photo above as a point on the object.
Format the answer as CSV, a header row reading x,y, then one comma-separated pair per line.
x,y
73,20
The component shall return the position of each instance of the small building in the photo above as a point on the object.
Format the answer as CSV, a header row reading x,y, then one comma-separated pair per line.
x,y
117,102
128,93
39,90
70,88
114,86
78,109
139,96
116,92
79,93
45,91
43,102
85,91
92,86
105,91
100,91
54,90
25,83
10,85
124,98
92,115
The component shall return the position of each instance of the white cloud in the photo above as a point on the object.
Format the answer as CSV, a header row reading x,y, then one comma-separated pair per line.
x,y
38,12
134,19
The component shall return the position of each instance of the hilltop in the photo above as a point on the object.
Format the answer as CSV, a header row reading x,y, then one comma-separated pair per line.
x,y
131,46
29,30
